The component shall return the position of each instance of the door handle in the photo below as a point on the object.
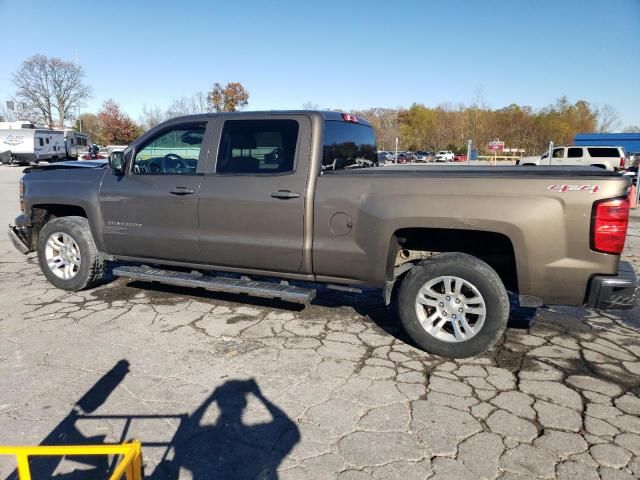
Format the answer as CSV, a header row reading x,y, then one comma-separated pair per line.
x,y
181,191
285,194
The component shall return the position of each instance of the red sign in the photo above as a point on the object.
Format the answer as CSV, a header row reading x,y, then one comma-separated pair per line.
x,y
496,146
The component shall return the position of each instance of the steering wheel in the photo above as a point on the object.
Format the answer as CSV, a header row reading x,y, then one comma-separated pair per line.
x,y
169,162
177,160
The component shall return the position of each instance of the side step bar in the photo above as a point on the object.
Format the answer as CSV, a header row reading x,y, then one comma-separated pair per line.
x,y
245,285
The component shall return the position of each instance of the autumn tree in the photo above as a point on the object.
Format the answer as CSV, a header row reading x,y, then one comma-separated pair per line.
x,y
228,98
51,89
115,126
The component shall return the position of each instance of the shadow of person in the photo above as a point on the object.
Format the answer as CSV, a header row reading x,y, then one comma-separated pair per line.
x,y
67,432
229,449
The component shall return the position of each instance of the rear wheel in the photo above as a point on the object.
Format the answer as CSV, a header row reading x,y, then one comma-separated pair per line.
x,y
454,305
67,254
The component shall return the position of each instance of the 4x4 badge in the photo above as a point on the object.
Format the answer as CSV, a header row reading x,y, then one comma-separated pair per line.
x,y
574,188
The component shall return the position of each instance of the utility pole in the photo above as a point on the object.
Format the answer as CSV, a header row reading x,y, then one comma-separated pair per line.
x,y
550,151
79,119
469,143
396,157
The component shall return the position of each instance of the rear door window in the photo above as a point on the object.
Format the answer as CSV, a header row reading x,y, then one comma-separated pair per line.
x,y
604,152
575,152
258,146
347,146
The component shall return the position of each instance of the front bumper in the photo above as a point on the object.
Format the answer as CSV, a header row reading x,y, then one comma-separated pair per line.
x,y
614,292
20,234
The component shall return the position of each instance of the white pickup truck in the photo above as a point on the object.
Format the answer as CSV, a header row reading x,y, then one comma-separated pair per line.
x,y
609,158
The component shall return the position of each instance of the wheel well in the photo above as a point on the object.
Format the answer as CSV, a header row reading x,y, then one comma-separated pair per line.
x,y
495,249
41,214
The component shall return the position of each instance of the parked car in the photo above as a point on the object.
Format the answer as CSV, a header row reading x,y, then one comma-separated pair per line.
x,y
444,156
609,158
402,158
422,156
446,254
460,157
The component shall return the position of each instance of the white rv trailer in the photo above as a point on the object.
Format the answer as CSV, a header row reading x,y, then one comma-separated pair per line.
x,y
24,143
76,143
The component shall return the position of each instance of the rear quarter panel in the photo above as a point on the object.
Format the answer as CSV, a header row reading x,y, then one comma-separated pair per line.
x,y
548,228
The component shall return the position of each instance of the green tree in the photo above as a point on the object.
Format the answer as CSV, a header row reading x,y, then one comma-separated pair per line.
x,y
88,123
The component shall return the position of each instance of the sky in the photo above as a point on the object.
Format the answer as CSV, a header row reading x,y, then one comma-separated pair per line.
x,y
338,54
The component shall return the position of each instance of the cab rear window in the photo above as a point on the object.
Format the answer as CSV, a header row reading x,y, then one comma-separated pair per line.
x,y
347,146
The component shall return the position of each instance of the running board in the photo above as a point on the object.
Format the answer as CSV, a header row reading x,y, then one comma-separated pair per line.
x,y
245,285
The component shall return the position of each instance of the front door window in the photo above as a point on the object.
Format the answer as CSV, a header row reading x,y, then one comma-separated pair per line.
x,y
174,151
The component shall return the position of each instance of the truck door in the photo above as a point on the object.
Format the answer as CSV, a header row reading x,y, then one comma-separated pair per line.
x,y
251,207
559,156
151,210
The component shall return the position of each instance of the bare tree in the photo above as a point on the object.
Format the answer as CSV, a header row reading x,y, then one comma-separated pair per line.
x,y
150,117
197,103
51,88
228,98
608,118
309,105
631,129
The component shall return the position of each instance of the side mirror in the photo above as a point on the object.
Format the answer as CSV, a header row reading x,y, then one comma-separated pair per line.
x,y
116,161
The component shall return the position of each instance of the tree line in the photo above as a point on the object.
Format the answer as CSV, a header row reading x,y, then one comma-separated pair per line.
x,y
51,91
446,127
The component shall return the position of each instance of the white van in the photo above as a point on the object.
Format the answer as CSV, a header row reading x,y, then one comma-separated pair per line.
x,y
609,158
76,143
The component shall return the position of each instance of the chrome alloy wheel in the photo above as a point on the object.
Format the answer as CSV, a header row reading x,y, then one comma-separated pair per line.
x,y
63,255
450,309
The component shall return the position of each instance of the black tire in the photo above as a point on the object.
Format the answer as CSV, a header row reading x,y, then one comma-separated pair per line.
x,y
91,271
468,268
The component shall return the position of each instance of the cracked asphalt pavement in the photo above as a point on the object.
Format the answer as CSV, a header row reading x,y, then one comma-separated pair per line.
x,y
224,386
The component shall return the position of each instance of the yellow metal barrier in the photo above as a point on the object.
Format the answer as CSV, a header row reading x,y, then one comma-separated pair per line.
x,y
130,465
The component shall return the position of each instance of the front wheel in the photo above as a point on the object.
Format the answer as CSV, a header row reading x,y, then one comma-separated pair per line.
x,y
67,254
453,305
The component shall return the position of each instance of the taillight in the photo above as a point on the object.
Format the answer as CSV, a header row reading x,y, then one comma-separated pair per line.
x,y
622,162
609,225
348,117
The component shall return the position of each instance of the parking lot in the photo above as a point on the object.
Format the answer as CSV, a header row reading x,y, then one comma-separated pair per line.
x,y
224,386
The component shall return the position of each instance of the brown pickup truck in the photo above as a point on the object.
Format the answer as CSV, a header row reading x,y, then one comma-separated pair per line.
x,y
269,198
